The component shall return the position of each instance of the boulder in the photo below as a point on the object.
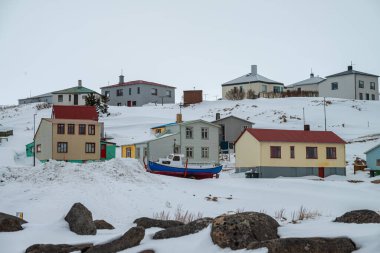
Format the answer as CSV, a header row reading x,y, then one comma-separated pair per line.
x,y
306,245
102,224
80,220
237,231
149,223
130,239
189,228
10,223
359,217
147,251
57,248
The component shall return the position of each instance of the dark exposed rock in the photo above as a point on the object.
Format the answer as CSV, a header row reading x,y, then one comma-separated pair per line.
x,y
102,224
146,222
80,220
147,251
359,217
189,228
130,239
10,223
238,230
306,245
57,248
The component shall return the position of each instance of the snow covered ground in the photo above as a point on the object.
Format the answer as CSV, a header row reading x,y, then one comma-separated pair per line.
x,y
120,191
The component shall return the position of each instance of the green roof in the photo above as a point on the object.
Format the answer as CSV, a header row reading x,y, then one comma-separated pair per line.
x,y
75,90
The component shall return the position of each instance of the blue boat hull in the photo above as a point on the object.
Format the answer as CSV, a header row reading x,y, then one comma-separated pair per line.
x,y
183,172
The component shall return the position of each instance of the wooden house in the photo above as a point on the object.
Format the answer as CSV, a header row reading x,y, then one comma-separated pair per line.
x,y
373,160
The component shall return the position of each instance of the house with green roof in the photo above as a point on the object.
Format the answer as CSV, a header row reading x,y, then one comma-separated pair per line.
x,y
73,96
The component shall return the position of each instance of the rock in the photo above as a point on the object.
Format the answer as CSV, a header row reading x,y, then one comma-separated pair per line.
x,y
147,251
189,228
149,223
130,239
306,245
80,220
238,230
10,223
57,248
102,224
359,217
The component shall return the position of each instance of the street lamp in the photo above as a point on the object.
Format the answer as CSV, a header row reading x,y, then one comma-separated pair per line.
x,y
34,141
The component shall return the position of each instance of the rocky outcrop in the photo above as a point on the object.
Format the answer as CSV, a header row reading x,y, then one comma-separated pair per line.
x,y
57,248
80,220
102,224
130,239
359,217
237,231
306,245
146,222
189,228
10,223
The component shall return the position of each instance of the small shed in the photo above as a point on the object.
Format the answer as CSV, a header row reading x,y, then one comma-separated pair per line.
x,y
29,149
192,97
373,160
359,164
107,150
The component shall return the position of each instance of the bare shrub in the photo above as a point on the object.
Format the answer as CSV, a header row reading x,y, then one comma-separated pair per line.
x,y
280,214
179,215
251,94
235,94
304,214
42,106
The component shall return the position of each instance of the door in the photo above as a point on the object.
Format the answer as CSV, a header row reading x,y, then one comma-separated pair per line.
x,y
103,149
129,103
75,99
321,172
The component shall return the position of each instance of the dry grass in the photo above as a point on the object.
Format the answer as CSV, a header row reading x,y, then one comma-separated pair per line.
x,y
355,181
304,214
377,181
280,214
179,215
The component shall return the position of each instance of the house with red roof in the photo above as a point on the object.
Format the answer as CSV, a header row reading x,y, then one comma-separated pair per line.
x,y
138,93
290,153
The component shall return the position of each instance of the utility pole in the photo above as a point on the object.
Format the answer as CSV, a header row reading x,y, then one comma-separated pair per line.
x,y
324,108
303,117
34,141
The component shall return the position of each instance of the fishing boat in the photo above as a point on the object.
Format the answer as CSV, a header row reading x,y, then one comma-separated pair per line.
x,y
176,165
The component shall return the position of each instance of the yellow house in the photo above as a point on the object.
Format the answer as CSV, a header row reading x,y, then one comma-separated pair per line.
x,y
290,153
128,151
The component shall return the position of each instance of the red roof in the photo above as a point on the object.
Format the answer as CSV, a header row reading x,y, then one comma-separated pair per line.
x,y
274,135
74,112
137,82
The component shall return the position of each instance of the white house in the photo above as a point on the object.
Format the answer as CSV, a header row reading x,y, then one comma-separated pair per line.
x,y
350,84
310,84
73,96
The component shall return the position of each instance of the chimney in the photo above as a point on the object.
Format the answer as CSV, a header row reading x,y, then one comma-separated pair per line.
x,y
349,67
79,83
121,79
311,75
254,70
217,117
306,127
179,118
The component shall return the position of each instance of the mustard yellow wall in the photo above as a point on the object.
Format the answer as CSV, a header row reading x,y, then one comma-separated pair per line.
x,y
124,151
247,151
300,155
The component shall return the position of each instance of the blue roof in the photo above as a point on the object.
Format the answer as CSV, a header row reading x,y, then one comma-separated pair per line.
x,y
165,125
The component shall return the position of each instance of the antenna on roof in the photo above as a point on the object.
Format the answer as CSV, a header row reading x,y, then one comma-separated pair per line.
x,y
311,73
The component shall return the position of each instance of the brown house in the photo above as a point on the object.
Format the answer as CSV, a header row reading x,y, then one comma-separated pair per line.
x,y
192,97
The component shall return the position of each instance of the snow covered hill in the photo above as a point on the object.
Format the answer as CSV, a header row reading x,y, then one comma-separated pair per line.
x,y
120,191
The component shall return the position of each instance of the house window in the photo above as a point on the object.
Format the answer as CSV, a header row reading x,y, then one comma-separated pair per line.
x,y
130,91
235,90
189,152
169,93
134,103
378,162
128,152
189,133
91,129
118,104
275,152
145,152
204,133
361,84
331,153
84,97
153,91
70,128
373,96
361,96
61,129
62,147
119,92
69,97
245,127
277,89
60,98
311,153
38,148
107,94
292,152
372,86
82,129
137,153
138,90
90,147
241,89
205,152
367,96
264,88
334,86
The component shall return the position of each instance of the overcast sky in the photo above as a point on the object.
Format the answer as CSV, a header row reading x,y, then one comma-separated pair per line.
x,y
48,45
